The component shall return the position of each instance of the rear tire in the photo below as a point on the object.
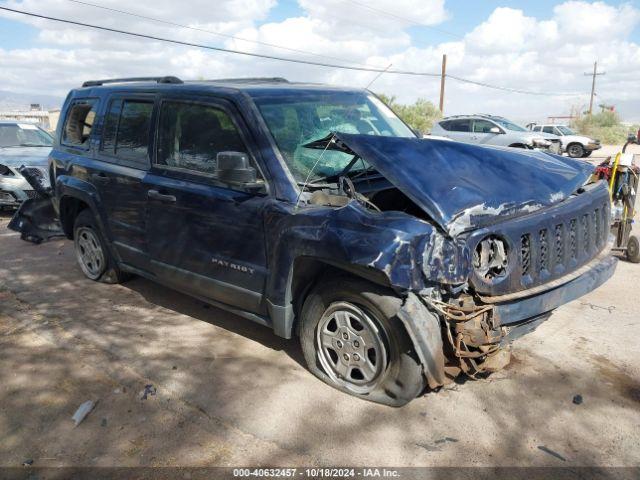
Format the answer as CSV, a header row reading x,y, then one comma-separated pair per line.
x,y
633,249
353,341
95,260
575,150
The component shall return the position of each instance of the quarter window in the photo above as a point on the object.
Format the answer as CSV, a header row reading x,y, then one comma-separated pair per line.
x,y
192,135
79,123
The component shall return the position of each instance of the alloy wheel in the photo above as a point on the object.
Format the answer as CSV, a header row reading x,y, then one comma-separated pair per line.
x,y
89,253
351,348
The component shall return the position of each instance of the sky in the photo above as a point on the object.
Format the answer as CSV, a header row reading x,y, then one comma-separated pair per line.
x,y
541,46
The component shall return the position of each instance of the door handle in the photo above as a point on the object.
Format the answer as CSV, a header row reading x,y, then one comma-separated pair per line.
x,y
156,195
100,177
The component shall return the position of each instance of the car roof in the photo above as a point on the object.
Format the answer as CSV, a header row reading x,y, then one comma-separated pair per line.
x,y
251,86
474,115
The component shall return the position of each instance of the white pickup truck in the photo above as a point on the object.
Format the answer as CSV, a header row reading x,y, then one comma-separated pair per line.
x,y
576,146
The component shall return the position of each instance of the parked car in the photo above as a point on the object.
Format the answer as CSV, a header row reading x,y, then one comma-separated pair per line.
x,y
315,211
21,144
576,146
493,130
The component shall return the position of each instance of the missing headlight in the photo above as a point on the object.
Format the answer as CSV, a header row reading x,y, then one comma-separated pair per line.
x,y
490,258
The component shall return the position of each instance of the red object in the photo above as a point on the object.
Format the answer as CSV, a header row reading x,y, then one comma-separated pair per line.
x,y
603,171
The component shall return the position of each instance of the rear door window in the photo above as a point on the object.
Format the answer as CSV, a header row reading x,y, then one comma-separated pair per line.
x,y
547,129
460,125
126,131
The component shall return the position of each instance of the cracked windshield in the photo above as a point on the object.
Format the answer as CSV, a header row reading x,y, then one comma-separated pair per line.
x,y
296,120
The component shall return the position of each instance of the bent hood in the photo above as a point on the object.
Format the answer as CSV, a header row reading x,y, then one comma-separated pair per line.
x,y
462,186
28,156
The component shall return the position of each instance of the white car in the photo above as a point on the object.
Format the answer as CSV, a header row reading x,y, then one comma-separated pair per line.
x,y
576,146
493,130
22,144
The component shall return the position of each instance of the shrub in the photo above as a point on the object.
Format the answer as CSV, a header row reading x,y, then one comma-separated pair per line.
x,y
419,115
604,126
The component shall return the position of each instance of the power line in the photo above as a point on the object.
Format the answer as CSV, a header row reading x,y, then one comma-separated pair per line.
x,y
220,49
233,37
404,19
515,90
283,59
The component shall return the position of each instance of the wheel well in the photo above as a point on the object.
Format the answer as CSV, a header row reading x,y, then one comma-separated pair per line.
x,y
70,207
574,143
308,271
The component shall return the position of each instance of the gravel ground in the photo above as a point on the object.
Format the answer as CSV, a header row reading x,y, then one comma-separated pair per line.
x,y
228,392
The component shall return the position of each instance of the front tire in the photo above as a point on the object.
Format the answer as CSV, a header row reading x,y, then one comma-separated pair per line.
x,y
94,258
353,341
575,150
586,154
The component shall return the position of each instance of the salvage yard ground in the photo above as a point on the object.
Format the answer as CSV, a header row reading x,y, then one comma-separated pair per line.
x,y
229,393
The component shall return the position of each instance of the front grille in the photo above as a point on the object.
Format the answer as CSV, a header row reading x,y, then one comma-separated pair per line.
x,y
573,239
525,253
584,222
556,252
548,244
544,250
559,244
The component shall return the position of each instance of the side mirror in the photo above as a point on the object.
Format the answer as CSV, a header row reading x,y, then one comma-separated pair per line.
x,y
632,138
235,169
495,130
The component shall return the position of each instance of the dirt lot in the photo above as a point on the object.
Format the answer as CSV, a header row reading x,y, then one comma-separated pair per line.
x,y
230,393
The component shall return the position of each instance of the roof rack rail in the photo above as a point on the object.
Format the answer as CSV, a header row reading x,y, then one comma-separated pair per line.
x,y
250,80
167,79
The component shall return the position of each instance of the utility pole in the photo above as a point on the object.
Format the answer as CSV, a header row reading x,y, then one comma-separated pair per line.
x,y
442,77
593,84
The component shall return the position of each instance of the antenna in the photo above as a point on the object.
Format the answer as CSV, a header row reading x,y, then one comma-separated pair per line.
x,y
378,76
331,140
306,181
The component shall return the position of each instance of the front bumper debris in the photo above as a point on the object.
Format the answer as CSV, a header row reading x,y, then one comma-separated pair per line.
x,y
512,312
476,334
36,219
8,199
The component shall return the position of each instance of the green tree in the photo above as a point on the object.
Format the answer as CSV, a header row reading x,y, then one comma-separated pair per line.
x,y
419,115
604,126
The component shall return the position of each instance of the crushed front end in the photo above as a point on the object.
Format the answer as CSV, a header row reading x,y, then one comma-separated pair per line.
x,y
522,269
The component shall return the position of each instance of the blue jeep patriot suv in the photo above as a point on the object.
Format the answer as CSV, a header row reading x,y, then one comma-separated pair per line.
x,y
398,261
